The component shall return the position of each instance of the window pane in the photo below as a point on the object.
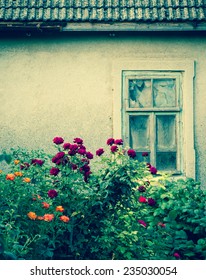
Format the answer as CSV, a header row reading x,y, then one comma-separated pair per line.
x,y
139,132
166,161
164,92
166,133
140,93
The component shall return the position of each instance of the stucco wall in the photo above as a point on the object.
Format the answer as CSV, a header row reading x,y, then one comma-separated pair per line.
x,y
62,85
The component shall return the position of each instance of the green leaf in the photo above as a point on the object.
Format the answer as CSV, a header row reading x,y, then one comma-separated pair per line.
x,y
181,234
173,214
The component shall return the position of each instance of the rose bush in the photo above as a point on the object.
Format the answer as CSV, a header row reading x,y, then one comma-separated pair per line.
x,y
104,205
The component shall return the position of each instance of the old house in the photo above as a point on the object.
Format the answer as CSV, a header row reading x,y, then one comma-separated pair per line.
x,y
131,69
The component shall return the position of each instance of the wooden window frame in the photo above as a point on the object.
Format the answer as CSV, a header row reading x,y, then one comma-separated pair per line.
x,y
153,112
187,69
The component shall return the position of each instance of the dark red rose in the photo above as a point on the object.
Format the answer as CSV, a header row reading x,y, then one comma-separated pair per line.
x,y
81,151
37,162
114,148
85,168
74,166
110,141
25,166
86,176
145,154
66,146
73,147
99,152
131,153
52,193
141,222
141,189
58,140
151,201
148,165
54,171
78,140
153,170
54,159
60,155
176,255
118,142
85,160
72,152
89,155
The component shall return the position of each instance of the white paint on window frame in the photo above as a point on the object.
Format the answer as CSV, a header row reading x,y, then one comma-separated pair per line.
x,y
186,67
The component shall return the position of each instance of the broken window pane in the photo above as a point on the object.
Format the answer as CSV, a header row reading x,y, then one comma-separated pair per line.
x,y
140,95
139,132
164,92
166,161
166,133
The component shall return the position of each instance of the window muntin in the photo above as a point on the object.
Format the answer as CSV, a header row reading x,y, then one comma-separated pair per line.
x,y
152,117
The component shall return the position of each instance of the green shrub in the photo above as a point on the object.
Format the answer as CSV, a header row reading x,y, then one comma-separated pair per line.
x,y
76,205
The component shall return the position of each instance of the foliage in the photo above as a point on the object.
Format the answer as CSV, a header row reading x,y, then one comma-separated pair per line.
x,y
54,207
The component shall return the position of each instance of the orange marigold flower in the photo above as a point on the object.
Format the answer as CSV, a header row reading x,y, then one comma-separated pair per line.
x,y
32,215
18,174
48,217
45,205
10,177
64,219
59,209
39,197
27,180
16,161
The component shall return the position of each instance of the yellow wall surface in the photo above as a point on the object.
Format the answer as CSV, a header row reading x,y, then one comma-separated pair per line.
x,y
61,85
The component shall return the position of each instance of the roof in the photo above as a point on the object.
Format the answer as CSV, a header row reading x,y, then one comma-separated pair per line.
x,y
104,15
102,10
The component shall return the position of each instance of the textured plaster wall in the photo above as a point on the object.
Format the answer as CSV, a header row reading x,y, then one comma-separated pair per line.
x,y
62,85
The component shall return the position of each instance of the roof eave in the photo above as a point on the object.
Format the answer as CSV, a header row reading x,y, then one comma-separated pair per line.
x,y
105,27
134,27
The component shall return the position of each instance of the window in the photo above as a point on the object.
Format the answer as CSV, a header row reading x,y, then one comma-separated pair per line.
x,y
151,117
153,111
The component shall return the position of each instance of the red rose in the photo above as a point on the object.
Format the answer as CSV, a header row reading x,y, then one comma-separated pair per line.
x,y
81,151
99,152
52,193
58,140
114,148
142,199
176,255
78,140
66,146
37,162
118,142
153,170
25,166
89,155
131,153
151,202
73,147
85,168
141,222
54,171
73,166
60,155
141,189
110,141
